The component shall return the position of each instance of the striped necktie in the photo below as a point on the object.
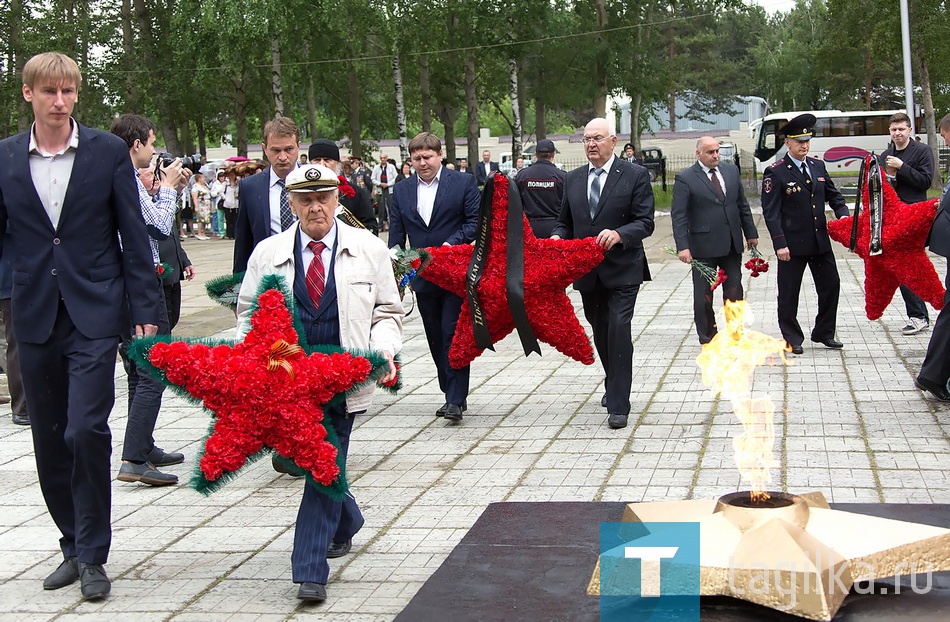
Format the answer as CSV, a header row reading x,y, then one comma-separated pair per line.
x,y
316,275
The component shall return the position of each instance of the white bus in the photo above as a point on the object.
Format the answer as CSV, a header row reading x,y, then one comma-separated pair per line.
x,y
841,139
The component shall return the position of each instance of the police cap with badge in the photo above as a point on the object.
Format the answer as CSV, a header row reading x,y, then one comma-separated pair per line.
x,y
799,128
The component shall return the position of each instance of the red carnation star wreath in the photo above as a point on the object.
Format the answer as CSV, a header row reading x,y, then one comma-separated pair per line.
x,y
265,391
904,233
549,267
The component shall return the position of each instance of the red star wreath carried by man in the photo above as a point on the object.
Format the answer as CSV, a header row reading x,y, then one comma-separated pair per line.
x,y
267,391
549,267
904,231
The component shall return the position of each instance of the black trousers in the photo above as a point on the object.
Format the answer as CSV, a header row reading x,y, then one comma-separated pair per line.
x,y
915,306
145,398
936,366
70,391
172,304
824,271
609,312
440,313
230,217
12,363
703,314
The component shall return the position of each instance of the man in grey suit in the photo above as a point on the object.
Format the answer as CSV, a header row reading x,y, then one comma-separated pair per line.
x,y
710,214
935,371
612,201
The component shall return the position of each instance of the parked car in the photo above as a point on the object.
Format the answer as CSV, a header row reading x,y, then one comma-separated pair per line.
x,y
730,153
655,162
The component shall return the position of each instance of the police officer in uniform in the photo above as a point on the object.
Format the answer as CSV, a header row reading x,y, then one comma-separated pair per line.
x,y
794,192
541,186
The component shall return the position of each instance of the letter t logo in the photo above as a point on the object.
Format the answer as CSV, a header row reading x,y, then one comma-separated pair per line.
x,y
650,557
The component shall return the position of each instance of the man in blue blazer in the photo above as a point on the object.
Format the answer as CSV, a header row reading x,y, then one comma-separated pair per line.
x,y
263,207
436,206
66,195
485,168
618,213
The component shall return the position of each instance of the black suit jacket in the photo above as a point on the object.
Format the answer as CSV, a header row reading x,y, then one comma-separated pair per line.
x,y
479,169
171,253
703,222
80,261
626,206
940,231
454,217
914,177
253,218
360,206
794,211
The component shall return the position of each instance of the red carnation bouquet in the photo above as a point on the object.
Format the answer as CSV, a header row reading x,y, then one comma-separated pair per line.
x,y
714,277
757,265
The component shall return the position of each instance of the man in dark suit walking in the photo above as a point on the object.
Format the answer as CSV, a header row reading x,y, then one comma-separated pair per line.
x,y
263,207
794,192
485,168
710,214
436,206
934,374
612,200
66,195
909,166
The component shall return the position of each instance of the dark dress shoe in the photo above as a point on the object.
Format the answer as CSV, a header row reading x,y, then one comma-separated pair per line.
x,y
615,422
830,343
95,583
603,401
444,407
795,349
339,549
453,413
66,574
280,467
312,592
159,457
21,419
938,391
145,474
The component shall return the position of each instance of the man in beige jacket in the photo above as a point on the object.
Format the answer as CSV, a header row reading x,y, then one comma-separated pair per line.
x,y
344,293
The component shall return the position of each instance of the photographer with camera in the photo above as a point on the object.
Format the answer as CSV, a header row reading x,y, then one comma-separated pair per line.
x,y
140,456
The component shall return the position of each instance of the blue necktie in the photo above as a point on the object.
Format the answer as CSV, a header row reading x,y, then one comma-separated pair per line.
x,y
594,197
286,216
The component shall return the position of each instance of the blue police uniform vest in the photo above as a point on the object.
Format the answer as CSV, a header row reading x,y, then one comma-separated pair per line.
x,y
322,326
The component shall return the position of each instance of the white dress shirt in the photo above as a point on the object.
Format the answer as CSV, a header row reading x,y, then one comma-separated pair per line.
x,y
722,181
326,255
425,196
51,172
603,176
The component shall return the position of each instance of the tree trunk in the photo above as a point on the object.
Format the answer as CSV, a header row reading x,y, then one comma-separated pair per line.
x,y
447,114
515,109
868,83
671,100
202,137
19,59
522,95
635,107
128,48
240,113
187,142
170,136
930,120
471,105
311,99
600,65
426,96
275,76
353,86
400,110
149,44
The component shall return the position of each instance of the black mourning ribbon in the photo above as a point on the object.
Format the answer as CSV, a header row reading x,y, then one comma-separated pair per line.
x,y
876,204
514,269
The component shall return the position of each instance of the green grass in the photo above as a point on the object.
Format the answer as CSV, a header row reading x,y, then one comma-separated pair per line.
x,y
664,200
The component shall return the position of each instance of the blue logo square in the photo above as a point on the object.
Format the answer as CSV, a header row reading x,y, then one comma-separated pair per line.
x,y
649,571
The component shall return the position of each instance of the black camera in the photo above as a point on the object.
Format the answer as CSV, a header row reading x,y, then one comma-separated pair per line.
x,y
192,162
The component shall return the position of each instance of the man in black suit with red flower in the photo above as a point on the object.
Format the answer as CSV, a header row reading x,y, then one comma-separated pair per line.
x,y
612,201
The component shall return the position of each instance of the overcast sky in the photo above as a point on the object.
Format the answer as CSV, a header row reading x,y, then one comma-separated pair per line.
x,y
774,6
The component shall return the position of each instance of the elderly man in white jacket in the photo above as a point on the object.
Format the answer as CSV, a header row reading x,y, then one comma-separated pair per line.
x,y
344,293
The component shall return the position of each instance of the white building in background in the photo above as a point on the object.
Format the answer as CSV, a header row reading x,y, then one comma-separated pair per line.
x,y
746,109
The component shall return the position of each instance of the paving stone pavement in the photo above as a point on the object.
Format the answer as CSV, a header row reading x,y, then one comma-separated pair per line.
x,y
848,423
